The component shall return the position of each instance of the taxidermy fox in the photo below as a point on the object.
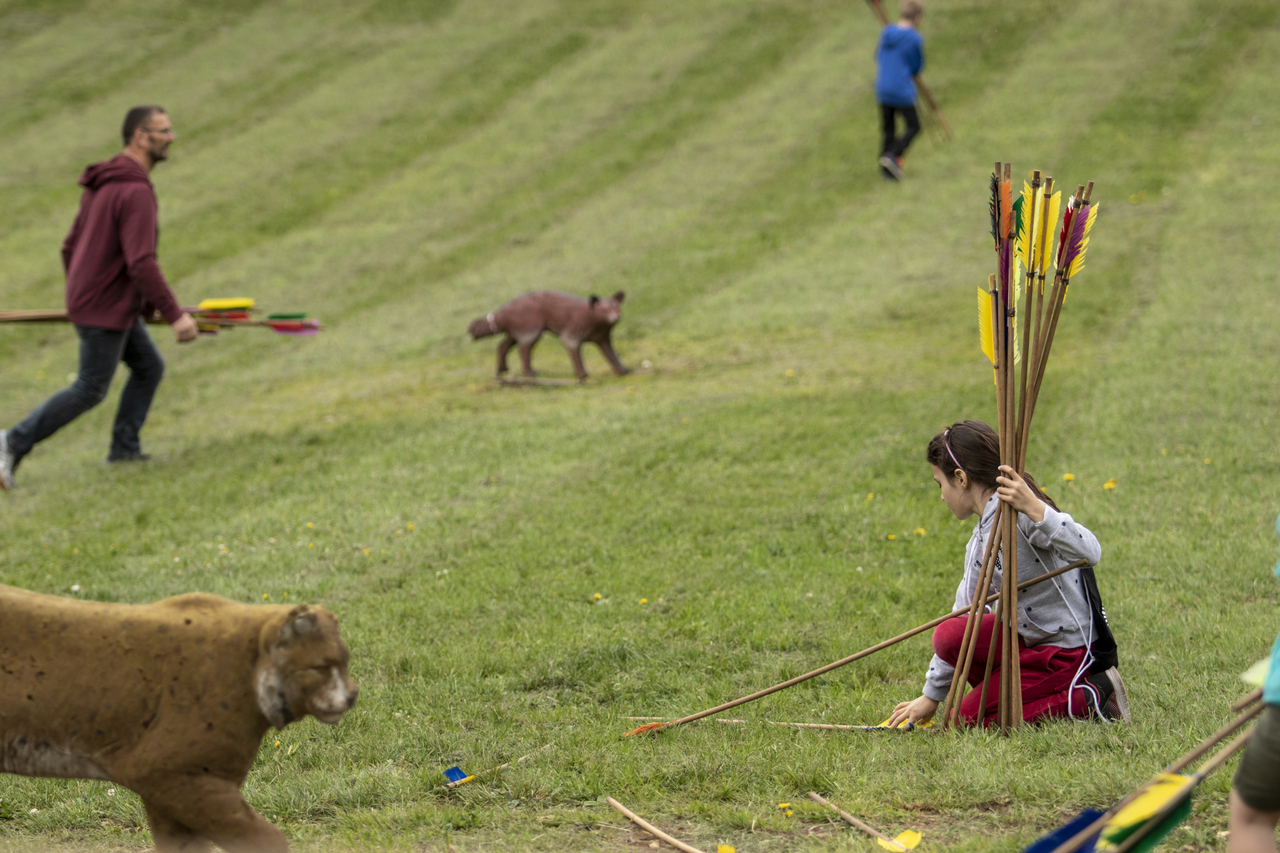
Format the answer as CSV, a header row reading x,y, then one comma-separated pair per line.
x,y
574,319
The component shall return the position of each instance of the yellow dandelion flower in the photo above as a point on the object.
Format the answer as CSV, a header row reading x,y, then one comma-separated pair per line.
x,y
631,389
311,544
684,420
277,744
1164,451
286,595
597,597
1110,484
1068,477
784,805
1208,461
891,536
644,601
266,596
869,498
366,552
409,527
788,813
919,531
791,374
310,525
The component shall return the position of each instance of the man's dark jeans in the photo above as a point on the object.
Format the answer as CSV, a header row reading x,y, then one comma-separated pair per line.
x,y
100,351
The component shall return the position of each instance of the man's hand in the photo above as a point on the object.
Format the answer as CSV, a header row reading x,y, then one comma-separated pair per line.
x,y
916,711
184,328
1014,491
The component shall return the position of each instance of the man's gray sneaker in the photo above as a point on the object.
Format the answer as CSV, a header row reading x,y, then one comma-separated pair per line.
x,y
6,462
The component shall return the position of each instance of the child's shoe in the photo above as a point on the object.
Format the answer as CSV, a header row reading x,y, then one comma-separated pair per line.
x,y
893,167
1106,696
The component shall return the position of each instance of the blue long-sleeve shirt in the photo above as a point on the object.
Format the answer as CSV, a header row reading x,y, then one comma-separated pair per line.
x,y
899,57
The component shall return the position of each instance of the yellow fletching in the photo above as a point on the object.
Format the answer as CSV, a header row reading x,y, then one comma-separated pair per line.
x,y
1147,804
906,840
1019,284
1028,228
1078,263
1051,228
985,339
242,303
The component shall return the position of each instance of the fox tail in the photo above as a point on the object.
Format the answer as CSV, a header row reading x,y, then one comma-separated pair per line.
x,y
483,327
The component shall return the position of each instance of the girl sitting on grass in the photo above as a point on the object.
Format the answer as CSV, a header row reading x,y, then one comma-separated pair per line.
x,y
1059,620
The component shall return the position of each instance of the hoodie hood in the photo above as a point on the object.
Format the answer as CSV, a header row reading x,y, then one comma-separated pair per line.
x,y
118,169
896,36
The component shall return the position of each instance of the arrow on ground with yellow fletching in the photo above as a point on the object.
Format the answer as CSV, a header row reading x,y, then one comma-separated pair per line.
x,y
906,840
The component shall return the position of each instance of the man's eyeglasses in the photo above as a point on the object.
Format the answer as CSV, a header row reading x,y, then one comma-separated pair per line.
x,y
160,130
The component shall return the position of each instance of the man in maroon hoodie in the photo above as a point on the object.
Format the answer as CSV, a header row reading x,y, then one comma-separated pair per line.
x,y
113,282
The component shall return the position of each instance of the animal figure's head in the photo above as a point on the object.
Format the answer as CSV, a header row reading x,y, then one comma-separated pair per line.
x,y
302,668
607,310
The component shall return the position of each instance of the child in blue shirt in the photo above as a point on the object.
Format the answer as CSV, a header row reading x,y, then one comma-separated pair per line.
x,y
899,57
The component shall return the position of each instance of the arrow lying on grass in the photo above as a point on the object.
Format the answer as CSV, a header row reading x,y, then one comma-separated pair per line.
x,y
658,833
210,316
902,727
457,776
759,694
906,840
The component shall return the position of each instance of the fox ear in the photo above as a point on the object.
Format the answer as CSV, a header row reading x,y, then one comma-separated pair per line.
x,y
593,300
619,296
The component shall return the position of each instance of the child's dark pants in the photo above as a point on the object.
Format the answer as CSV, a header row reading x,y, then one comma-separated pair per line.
x,y
893,145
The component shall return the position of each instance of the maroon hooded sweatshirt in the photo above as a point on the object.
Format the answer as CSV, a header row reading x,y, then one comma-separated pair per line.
x,y
110,255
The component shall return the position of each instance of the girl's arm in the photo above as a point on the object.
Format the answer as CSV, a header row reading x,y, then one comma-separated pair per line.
x,y
1051,530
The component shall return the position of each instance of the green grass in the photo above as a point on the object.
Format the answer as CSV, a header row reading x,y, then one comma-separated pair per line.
x,y
399,168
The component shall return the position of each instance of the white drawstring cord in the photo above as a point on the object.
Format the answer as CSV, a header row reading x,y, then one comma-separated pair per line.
x,y
1088,639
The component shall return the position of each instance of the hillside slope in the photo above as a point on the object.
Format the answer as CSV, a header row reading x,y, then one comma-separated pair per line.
x,y
798,328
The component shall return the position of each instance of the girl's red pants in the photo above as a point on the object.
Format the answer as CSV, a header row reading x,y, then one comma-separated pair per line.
x,y
1047,672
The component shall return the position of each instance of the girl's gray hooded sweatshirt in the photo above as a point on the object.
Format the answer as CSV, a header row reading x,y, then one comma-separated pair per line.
x,y
1055,612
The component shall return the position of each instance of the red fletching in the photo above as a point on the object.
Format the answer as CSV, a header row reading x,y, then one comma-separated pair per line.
x,y
1066,227
294,327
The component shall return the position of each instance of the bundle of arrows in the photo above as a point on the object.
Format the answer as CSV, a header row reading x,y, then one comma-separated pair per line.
x,y
210,315
1017,320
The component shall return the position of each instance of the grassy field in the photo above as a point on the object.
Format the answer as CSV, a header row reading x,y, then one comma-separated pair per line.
x,y
517,567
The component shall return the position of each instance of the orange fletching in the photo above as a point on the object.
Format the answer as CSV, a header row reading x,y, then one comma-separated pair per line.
x,y
1006,210
649,727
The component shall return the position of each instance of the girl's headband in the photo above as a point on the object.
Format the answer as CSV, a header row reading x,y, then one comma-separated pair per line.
x,y
947,445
